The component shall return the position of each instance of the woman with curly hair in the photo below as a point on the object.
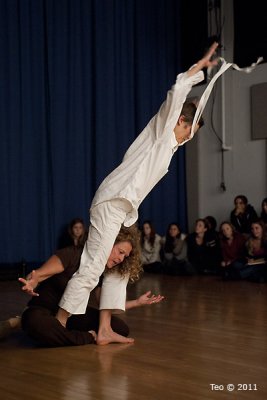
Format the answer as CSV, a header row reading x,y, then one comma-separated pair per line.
x,y
38,320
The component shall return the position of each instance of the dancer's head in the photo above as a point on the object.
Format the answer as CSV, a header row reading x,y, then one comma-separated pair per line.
x,y
184,124
125,254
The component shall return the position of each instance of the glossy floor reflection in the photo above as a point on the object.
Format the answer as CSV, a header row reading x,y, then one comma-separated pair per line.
x,y
207,332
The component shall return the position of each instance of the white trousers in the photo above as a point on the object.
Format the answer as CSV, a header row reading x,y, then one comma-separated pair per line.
x,y
106,219
113,292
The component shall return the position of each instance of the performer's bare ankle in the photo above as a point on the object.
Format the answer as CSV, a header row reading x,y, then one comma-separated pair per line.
x,y
62,316
107,336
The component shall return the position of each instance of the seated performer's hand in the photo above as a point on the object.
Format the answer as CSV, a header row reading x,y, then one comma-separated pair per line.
x,y
30,283
147,299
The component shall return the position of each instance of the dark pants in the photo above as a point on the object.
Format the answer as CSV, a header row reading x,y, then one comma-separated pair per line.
x,y
178,267
232,271
256,272
155,267
40,324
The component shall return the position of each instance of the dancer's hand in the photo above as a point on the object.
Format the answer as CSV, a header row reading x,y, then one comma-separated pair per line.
x,y
206,61
148,299
30,283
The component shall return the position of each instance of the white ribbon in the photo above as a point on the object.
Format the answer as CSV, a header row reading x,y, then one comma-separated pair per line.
x,y
204,98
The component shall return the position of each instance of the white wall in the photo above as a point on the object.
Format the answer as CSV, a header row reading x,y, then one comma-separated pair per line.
x,y
244,165
229,112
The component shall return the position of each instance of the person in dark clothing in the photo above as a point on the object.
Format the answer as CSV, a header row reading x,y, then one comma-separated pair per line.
x,y
174,252
256,252
38,320
196,246
74,234
233,251
213,256
212,223
264,210
243,215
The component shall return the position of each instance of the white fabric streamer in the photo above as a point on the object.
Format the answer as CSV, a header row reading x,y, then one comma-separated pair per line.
x,y
204,98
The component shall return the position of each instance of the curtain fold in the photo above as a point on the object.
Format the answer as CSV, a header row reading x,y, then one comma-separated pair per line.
x,y
79,80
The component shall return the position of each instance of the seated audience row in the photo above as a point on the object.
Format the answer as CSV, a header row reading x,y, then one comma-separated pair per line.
x,y
244,258
203,251
178,254
228,253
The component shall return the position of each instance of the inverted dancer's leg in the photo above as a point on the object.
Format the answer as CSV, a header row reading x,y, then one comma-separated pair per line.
x,y
112,300
113,292
106,220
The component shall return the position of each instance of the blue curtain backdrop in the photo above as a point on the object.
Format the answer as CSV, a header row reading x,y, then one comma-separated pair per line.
x,y
79,79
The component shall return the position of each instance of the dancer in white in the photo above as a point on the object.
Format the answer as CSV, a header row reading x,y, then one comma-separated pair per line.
x,y
117,199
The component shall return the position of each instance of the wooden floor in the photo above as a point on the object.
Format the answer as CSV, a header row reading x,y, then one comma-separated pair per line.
x,y
207,332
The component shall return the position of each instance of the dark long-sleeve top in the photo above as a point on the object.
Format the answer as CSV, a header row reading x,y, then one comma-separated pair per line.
x,y
242,222
196,254
51,290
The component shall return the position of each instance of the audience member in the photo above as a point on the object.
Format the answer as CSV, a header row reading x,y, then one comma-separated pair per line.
x,y
243,214
196,246
174,252
233,251
264,210
75,234
150,248
214,256
256,248
211,223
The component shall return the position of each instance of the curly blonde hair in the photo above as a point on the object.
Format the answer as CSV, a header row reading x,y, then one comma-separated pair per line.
x,y
131,265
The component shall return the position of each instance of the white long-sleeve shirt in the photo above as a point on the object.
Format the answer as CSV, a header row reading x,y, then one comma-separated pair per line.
x,y
151,253
148,158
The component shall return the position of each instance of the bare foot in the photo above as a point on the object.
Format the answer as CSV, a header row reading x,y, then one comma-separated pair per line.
x,y
15,322
109,336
